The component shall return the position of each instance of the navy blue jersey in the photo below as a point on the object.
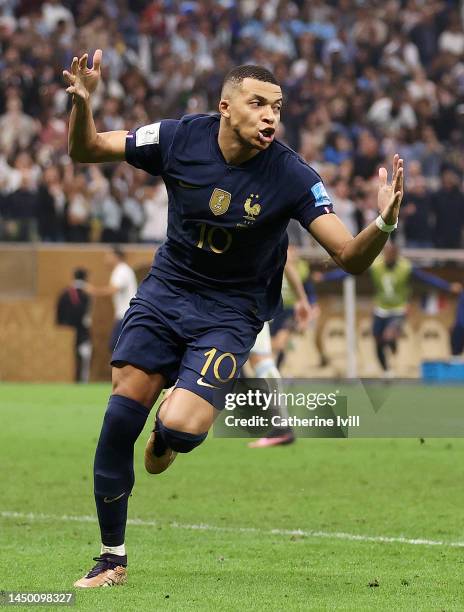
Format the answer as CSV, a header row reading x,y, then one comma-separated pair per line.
x,y
227,224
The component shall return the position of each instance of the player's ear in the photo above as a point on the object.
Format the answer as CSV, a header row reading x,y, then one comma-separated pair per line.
x,y
224,108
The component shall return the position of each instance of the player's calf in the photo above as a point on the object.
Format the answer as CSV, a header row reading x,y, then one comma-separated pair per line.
x,y
157,459
156,463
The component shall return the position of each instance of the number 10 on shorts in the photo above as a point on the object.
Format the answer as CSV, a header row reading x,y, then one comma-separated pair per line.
x,y
225,358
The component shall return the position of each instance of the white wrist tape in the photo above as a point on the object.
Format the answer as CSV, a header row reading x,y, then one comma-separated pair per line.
x,y
384,227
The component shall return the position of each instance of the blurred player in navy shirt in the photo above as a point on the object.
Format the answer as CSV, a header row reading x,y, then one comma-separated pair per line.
x,y
73,310
232,191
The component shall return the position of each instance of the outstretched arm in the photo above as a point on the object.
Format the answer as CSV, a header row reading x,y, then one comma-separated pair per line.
x,y
436,281
331,275
84,143
356,254
104,291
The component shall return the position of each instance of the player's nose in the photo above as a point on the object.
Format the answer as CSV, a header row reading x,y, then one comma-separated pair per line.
x,y
268,116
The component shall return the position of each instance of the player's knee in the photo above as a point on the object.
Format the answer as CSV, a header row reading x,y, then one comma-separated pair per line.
x,y
179,441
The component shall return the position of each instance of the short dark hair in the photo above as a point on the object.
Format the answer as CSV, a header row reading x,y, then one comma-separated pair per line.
x,y
249,71
80,274
116,249
448,167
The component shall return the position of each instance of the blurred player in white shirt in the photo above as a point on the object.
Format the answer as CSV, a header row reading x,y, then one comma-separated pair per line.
x,y
262,360
122,288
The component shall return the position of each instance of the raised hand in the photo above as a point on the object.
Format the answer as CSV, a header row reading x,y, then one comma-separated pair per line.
x,y
81,79
390,195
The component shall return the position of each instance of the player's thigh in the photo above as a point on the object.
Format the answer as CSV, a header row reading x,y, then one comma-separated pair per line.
x,y
393,328
149,349
187,412
137,384
211,363
219,340
280,340
378,327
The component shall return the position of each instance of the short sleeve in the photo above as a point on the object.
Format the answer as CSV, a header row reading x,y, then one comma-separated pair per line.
x,y
117,278
310,199
148,146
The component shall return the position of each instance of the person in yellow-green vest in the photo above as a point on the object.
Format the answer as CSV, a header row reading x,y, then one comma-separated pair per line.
x,y
391,276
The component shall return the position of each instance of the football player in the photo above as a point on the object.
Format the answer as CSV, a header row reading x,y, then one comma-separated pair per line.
x,y
232,190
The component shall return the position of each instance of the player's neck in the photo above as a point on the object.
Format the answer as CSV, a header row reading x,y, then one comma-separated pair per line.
x,y
233,151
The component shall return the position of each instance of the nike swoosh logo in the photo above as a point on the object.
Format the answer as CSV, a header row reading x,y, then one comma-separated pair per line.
x,y
109,500
187,186
202,383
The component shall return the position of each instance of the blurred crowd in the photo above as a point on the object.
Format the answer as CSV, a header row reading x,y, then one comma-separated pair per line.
x,y
362,79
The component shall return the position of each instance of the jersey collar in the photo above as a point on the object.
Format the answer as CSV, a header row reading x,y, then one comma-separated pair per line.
x,y
217,153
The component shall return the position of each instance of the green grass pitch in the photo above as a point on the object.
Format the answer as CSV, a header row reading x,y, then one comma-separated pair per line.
x,y
219,530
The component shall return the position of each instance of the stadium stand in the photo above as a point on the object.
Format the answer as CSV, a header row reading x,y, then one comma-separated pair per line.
x,y
399,63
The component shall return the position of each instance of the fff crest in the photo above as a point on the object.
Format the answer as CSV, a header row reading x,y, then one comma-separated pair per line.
x,y
220,201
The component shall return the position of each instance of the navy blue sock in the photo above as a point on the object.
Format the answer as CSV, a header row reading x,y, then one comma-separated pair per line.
x,y
280,359
179,441
114,465
380,348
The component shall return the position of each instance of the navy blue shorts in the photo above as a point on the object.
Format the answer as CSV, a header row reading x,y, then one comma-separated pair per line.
x,y
117,326
284,320
381,324
189,338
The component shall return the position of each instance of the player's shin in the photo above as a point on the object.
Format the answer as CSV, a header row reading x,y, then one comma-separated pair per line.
x,y
381,356
114,469
281,434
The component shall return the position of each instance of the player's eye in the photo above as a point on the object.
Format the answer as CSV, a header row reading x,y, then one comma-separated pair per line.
x,y
254,103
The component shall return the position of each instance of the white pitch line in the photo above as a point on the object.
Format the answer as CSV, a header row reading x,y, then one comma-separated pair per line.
x,y
330,535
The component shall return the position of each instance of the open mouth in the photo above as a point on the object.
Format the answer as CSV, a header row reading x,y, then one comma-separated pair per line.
x,y
266,135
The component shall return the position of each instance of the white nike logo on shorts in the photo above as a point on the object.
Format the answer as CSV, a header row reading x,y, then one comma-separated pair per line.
x,y
202,383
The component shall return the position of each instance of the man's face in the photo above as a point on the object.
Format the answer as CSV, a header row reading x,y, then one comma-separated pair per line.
x,y
449,179
253,111
110,259
342,189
